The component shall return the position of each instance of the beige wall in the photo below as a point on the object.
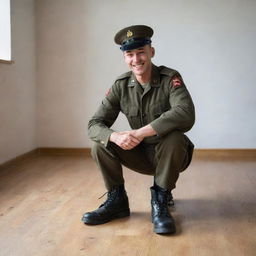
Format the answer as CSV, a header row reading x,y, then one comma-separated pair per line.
x,y
212,44
62,73
18,86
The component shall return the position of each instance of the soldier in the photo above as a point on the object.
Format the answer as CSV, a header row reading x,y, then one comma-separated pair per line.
x,y
159,109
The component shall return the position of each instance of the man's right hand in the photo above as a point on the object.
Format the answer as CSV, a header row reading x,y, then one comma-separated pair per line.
x,y
124,140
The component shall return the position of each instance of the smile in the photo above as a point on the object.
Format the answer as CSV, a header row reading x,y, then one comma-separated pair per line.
x,y
138,65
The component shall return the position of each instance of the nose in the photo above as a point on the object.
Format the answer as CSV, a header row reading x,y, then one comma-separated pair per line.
x,y
136,58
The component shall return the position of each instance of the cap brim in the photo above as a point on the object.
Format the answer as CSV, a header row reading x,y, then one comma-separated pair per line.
x,y
135,44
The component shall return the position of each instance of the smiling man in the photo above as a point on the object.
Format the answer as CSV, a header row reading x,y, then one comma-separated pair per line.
x,y
160,110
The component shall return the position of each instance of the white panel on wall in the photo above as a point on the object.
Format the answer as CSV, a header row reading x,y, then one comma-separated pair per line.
x,y
18,86
5,30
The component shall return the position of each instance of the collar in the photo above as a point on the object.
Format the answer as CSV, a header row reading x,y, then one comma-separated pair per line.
x,y
155,77
154,81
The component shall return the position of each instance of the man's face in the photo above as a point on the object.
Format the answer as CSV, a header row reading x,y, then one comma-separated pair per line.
x,y
139,60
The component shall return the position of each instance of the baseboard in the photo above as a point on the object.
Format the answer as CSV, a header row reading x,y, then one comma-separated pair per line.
x,y
65,151
222,154
18,159
246,153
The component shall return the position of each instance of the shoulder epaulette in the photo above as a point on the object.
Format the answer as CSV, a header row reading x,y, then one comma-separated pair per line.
x,y
124,75
167,71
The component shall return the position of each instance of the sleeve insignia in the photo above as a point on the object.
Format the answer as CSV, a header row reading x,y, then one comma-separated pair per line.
x,y
107,92
176,81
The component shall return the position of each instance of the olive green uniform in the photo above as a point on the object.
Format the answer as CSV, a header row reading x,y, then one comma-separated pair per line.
x,y
167,108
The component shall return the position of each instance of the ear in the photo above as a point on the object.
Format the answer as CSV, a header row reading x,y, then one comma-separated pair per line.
x,y
152,52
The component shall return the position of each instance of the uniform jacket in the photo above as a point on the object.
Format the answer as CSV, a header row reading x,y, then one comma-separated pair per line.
x,y
162,104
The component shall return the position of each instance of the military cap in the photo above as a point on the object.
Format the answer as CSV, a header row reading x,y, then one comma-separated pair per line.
x,y
134,37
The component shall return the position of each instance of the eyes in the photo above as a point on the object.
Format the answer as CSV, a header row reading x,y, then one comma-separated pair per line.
x,y
131,54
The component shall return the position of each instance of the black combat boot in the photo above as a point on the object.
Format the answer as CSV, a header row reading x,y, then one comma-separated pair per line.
x,y
116,206
170,200
161,218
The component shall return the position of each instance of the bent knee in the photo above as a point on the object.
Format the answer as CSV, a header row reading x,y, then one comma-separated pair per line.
x,y
96,148
173,139
99,149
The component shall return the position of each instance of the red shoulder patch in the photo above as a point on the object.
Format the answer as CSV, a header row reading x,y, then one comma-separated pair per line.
x,y
176,81
107,92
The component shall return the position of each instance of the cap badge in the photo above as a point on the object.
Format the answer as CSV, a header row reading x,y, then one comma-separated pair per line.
x,y
129,33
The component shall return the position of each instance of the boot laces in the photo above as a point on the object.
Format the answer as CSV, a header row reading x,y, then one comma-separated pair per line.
x,y
111,195
162,209
170,201
162,205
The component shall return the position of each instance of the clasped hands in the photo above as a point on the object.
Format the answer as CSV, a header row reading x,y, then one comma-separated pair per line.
x,y
129,139
126,139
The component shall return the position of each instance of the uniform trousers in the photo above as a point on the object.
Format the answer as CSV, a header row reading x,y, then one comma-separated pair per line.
x,y
164,160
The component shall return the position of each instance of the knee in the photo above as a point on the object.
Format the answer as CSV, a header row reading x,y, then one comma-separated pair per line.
x,y
99,151
175,139
96,149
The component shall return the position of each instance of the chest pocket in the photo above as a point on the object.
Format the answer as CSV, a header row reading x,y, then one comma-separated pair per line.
x,y
132,114
132,111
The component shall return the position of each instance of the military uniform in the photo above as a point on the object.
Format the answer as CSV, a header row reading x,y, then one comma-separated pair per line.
x,y
166,106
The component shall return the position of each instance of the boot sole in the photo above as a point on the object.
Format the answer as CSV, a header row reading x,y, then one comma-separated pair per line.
x,y
118,215
164,230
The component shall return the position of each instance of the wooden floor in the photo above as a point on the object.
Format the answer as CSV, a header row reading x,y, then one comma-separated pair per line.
x,y
42,201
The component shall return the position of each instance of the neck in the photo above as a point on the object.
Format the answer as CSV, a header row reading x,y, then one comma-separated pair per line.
x,y
145,78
